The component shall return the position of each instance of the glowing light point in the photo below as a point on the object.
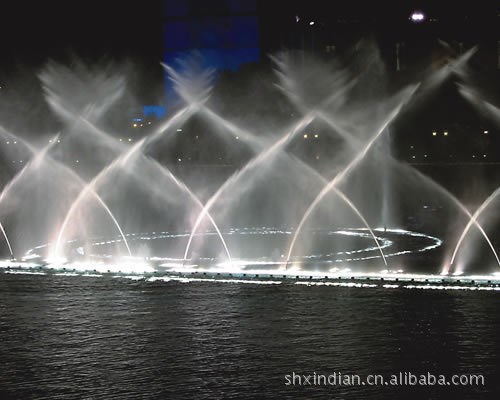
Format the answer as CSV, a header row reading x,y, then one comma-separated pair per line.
x,y
417,16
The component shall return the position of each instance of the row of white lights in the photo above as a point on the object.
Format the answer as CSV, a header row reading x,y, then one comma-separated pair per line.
x,y
416,16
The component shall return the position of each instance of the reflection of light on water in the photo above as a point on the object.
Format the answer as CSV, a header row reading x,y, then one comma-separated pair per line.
x,y
189,280
131,277
340,284
454,287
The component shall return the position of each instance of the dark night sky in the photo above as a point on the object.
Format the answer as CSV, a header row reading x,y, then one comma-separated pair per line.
x,y
33,30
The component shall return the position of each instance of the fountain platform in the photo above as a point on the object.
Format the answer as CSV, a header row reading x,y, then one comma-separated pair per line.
x,y
383,280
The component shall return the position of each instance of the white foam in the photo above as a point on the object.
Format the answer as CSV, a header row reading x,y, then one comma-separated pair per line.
x,y
189,280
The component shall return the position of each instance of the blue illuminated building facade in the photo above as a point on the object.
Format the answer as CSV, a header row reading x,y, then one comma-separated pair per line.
x,y
225,33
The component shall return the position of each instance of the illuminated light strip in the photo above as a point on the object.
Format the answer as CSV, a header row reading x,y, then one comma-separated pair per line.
x,y
358,232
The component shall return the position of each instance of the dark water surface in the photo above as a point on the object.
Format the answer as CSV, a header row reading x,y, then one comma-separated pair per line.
x,y
103,338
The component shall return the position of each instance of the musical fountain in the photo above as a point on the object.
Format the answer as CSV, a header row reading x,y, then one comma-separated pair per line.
x,y
291,178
